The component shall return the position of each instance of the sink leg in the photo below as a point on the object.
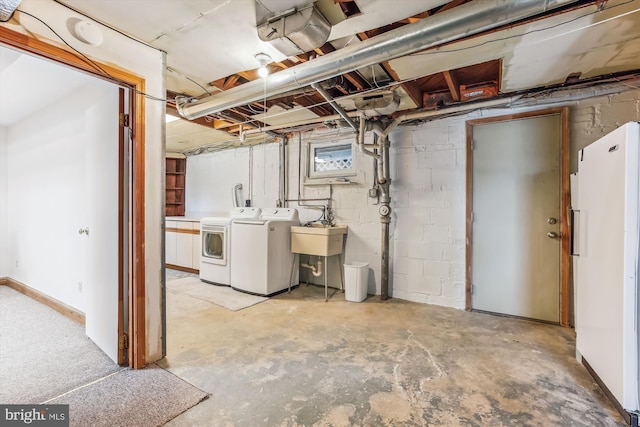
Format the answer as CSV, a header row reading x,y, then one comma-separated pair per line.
x,y
326,281
293,269
341,272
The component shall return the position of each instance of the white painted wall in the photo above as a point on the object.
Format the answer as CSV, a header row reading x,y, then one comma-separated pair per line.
x,y
3,203
211,177
47,193
147,63
428,195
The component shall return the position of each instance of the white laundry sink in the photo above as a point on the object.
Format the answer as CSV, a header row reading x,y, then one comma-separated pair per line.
x,y
317,240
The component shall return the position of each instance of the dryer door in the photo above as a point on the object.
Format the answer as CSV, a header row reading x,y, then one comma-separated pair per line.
x,y
214,248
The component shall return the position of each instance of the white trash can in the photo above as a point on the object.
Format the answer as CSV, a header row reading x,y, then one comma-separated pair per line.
x,y
356,281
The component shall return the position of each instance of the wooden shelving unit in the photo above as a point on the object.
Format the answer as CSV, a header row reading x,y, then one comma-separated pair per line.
x,y
174,186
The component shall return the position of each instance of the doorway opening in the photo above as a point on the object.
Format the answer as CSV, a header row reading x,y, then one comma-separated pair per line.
x,y
518,246
130,187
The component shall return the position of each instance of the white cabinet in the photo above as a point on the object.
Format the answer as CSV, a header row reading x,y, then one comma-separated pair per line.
x,y
196,251
170,243
182,245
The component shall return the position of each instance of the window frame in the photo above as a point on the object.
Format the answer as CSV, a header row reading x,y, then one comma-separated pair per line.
x,y
312,174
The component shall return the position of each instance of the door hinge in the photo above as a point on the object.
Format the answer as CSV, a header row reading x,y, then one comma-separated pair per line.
x,y
471,289
123,342
124,120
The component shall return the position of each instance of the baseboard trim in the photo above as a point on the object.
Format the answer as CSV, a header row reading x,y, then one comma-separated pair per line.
x,y
187,269
58,306
629,418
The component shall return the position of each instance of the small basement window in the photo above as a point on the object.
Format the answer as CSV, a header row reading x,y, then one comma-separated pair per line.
x,y
331,160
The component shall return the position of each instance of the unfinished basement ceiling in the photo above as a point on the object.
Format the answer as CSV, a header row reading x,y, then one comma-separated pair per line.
x,y
211,47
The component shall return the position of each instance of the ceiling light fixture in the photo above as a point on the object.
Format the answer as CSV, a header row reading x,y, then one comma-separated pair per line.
x,y
263,59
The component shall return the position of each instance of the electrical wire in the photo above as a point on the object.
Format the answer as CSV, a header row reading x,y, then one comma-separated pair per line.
x,y
389,85
435,52
171,70
84,58
439,51
626,84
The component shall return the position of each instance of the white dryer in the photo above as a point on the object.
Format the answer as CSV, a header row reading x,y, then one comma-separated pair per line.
x,y
215,232
261,252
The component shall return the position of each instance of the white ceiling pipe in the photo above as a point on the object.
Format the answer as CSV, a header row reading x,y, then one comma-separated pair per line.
x,y
462,21
455,109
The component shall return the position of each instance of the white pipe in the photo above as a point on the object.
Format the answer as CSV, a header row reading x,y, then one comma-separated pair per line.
x,y
236,188
454,109
360,138
315,270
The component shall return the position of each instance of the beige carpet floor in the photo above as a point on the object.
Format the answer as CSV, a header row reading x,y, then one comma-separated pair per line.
x,y
47,358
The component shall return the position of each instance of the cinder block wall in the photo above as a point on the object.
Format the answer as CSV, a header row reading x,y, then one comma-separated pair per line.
x,y
428,169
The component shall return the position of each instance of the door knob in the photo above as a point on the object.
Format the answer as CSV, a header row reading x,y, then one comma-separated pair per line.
x,y
552,221
84,231
552,235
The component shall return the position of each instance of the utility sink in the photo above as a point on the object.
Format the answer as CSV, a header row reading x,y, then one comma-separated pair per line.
x,y
317,240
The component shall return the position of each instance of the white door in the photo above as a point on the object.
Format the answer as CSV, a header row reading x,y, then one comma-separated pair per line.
x,y
101,282
515,263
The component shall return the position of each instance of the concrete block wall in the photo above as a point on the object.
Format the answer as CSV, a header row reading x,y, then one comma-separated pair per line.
x,y
428,202
428,196
593,118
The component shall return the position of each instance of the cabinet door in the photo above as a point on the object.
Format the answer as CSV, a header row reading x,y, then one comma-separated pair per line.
x,y
197,248
184,245
170,243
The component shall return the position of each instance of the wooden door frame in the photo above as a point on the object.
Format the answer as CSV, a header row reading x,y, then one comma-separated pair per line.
x,y
565,204
136,238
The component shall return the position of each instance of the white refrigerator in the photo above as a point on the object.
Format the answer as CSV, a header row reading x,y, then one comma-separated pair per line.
x,y
606,244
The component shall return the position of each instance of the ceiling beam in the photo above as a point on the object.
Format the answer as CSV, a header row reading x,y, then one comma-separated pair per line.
x,y
354,78
451,5
452,84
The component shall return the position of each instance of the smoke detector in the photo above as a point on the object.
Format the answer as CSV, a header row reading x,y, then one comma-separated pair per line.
x,y
380,104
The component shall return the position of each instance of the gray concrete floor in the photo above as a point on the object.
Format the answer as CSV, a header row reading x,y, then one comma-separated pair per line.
x,y
296,360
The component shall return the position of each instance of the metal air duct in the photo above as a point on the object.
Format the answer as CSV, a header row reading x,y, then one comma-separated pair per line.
x,y
462,21
296,31
7,7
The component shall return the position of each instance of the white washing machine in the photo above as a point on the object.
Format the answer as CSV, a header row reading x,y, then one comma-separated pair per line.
x,y
261,256
215,232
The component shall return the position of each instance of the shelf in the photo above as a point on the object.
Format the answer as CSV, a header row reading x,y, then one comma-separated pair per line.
x,y
175,176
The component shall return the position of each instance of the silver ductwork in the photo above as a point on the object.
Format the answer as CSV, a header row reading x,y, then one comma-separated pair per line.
x,y
7,7
296,31
462,21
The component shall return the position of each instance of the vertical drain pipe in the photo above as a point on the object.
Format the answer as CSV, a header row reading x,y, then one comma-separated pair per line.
x,y
381,140
385,215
